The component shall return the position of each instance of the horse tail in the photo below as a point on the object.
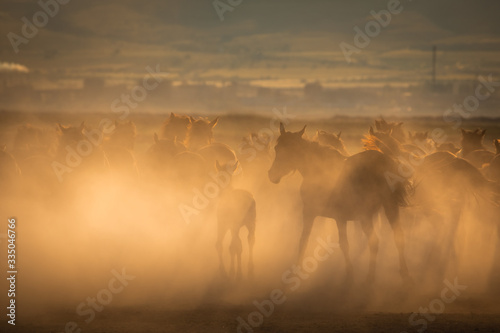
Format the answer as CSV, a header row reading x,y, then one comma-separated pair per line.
x,y
401,188
402,193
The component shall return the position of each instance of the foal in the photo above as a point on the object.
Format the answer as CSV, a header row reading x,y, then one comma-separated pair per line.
x,y
235,210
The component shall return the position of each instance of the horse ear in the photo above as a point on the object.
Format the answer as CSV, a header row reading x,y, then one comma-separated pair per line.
x,y
82,126
60,127
426,135
282,128
338,135
371,131
172,115
302,131
191,119
482,133
155,136
213,122
463,131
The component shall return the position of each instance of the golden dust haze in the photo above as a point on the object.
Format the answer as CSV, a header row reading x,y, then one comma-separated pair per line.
x,y
133,134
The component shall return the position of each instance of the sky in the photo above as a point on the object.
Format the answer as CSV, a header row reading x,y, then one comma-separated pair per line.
x,y
268,43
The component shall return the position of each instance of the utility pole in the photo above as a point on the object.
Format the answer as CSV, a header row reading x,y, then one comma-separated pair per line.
x,y
434,53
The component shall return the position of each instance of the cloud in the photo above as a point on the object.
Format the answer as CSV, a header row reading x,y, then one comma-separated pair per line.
x,y
12,67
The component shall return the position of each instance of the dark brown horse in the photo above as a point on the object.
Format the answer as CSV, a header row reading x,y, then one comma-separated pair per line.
x,y
395,128
176,127
331,139
201,133
342,188
473,149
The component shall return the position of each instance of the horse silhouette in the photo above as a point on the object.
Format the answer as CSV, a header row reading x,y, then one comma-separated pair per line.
x,y
176,127
330,139
447,187
236,209
343,188
119,148
93,162
396,128
473,149
200,133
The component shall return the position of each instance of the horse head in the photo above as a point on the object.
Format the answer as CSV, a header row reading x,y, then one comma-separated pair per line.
x,y
286,154
472,139
124,134
176,126
201,132
70,135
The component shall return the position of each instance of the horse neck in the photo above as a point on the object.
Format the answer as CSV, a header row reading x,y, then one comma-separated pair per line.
x,y
317,160
469,147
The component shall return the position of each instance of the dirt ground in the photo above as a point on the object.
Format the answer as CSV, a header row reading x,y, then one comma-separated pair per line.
x,y
218,319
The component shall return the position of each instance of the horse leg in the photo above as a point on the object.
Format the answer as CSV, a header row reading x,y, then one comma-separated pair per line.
x,y
236,248
367,224
344,246
251,242
221,232
392,213
308,221
232,255
454,241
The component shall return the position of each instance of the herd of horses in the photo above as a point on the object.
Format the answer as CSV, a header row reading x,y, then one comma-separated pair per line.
x,y
396,169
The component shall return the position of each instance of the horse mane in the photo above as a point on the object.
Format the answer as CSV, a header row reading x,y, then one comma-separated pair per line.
x,y
317,148
387,145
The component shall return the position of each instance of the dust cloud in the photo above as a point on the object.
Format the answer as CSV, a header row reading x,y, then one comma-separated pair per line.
x,y
74,235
